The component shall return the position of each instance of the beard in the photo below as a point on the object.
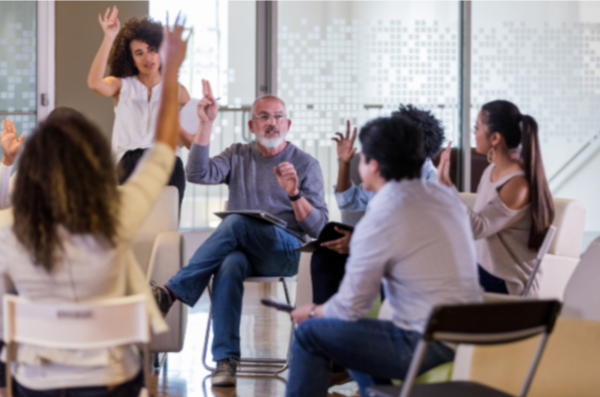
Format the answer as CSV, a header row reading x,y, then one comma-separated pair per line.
x,y
270,143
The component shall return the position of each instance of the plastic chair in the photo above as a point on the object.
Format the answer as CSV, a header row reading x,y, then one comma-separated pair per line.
x,y
261,365
103,324
480,324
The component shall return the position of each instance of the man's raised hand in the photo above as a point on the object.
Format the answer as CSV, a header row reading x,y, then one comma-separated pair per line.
x,y
110,23
11,143
287,178
207,108
345,144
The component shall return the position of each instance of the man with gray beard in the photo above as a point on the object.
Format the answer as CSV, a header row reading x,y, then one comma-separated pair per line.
x,y
271,175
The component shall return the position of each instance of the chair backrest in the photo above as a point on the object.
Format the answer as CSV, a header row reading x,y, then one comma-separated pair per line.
x,y
492,323
540,256
102,324
164,217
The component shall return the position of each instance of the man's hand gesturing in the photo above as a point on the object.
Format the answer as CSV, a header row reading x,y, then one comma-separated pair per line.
x,y
287,178
345,144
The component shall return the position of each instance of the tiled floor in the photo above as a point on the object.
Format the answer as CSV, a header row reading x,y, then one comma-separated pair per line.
x,y
264,333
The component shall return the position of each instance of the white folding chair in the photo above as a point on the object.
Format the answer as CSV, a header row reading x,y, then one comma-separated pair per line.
x,y
260,366
97,325
540,256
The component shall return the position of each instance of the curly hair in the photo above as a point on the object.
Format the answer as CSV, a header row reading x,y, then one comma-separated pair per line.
x,y
146,30
66,180
396,143
432,128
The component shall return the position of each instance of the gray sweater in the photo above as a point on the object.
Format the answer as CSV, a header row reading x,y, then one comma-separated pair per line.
x,y
253,184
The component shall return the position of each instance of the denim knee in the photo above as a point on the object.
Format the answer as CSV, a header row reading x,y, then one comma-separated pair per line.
x,y
233,222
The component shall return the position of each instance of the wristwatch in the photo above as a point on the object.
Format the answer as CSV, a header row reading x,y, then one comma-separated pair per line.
x,y
296,197
311,314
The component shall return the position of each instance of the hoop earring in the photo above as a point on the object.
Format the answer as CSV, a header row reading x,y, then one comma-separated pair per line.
x,y
490,155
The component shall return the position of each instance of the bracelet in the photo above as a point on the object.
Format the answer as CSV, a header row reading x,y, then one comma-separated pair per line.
x,y
311,314
296,197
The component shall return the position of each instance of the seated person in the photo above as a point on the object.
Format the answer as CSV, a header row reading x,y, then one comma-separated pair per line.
x,y
514,207
11,146
269,174
328,262
70,241
425,260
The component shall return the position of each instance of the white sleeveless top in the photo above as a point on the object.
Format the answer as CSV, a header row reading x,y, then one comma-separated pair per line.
x,y
135,117
502,235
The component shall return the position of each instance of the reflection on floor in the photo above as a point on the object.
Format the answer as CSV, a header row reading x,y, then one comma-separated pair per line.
x,y
264,333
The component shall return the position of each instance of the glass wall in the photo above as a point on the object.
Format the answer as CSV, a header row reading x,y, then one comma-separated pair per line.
x,y
359,60
221,50
18,90
545,57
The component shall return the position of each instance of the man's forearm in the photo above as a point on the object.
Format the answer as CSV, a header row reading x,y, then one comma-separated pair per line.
x,y
302,208
344,183
202,137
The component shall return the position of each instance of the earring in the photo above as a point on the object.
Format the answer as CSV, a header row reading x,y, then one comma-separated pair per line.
x,y
490,155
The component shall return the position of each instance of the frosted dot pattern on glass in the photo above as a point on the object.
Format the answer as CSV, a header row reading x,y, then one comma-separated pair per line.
x,y
18,50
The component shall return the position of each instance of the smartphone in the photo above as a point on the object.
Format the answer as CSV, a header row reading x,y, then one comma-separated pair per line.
x,y
277,304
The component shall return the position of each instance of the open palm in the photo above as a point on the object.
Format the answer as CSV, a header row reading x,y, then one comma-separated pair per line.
x,y
11,143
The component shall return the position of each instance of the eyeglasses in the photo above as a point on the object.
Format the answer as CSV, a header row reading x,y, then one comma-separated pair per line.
x,y
264,118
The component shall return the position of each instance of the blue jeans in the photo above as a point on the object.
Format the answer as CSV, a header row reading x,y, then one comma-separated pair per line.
x,y
240,247
368,348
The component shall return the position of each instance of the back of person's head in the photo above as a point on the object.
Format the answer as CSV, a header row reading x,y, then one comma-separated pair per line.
x,y
505,118
66,179
396,143
146,30
433,131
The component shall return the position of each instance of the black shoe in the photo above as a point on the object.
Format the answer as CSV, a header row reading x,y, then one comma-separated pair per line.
x,y
225,374
162,297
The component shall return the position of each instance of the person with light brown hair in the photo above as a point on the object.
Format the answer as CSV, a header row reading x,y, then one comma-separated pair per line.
x,y
514,207
71,236
134,84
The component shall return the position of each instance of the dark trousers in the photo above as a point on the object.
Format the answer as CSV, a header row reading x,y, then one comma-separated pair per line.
x,y
130,160
127,389
327,270
491,283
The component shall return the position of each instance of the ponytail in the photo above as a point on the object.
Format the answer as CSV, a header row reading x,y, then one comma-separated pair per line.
x,y
542,206
517,129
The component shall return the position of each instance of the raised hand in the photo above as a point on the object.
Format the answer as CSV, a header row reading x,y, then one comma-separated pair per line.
x,y
173,48
345,144
11,143
207,108
287,178
110,23
444,166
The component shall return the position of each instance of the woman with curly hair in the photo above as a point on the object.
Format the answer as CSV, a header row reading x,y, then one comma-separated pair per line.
x,y
134,84
71,236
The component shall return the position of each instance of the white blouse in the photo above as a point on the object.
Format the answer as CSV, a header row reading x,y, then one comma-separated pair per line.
x,y
135,117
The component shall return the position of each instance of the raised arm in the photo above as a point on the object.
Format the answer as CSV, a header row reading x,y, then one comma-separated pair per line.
x,y
109,86
345,151
11,146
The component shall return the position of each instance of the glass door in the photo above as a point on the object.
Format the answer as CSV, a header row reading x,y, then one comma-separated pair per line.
x,y
18,63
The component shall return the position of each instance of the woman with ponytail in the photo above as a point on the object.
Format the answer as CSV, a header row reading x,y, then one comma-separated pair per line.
x,y
514,207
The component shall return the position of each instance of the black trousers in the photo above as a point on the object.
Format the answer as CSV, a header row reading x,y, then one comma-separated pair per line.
x,y
327,270
127,389
130,160
491,283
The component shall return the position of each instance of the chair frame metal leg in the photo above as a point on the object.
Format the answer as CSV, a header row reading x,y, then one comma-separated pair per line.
x,y
260,366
